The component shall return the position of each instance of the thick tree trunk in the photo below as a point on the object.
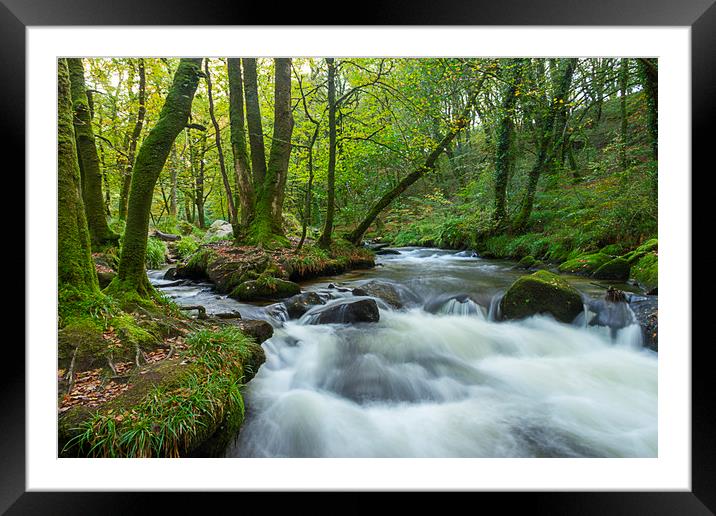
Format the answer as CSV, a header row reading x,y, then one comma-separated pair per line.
x,y
100,234
325,240
456,126
547,146
219,148
152,155
136,132
253,119
242,169
74,260
266,228
504,136
174,174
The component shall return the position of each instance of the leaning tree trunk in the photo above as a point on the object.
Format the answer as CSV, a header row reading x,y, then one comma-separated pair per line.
x,y
325,240
100,234
242,168
456,126
504,135
219,148
266,228
74,261
127,176
132,277
547,146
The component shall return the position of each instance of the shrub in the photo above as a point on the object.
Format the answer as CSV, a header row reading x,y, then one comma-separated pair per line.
x,y
156,251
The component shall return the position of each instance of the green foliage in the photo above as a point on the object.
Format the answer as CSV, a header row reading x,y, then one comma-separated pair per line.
x,y
74,304
156,252
646,270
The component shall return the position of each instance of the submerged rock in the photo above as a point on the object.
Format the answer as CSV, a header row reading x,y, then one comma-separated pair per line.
x,y
461,304
613,311
393,294
542,293
363,310
298,305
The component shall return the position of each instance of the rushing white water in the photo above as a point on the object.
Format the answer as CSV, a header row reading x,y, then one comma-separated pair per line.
x,y
442,378
422,385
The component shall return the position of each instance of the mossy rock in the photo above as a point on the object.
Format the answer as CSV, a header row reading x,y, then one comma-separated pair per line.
x,y
616,269
542,293
650,246
527,262
197,264
265,288
646,271
585,263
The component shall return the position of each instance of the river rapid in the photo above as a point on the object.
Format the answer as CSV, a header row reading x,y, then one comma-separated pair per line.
x,y
441,377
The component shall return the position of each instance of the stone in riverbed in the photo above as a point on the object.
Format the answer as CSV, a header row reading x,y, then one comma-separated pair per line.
x,y
259,330
265,288
298,305
363,310
542,293
393,294
616,269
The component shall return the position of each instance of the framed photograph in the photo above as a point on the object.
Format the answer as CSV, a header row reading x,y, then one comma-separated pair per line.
x,y
416,253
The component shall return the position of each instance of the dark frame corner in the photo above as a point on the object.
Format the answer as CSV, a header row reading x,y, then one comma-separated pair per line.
x,y
700,15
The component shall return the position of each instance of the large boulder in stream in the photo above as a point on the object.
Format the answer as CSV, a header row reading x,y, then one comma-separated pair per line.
x,y
298,305
542,293
616,269
393,294
363,310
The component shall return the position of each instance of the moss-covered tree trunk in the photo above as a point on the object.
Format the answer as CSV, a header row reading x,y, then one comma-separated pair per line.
x,y
219,147
74,259
649,72
267,226
100,234
132,277
242,168
325,240
134,138
504,134
547,144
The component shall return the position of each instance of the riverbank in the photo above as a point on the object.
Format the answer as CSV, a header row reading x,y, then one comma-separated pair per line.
x,y
139,381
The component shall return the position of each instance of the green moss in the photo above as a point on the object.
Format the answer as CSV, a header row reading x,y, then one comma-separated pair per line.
x,y
646,270
616,269
265,287
584,263
542,292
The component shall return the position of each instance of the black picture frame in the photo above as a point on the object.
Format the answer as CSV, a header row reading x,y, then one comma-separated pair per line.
x,y
700,15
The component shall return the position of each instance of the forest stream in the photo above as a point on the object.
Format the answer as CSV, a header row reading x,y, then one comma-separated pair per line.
x,y
441,376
